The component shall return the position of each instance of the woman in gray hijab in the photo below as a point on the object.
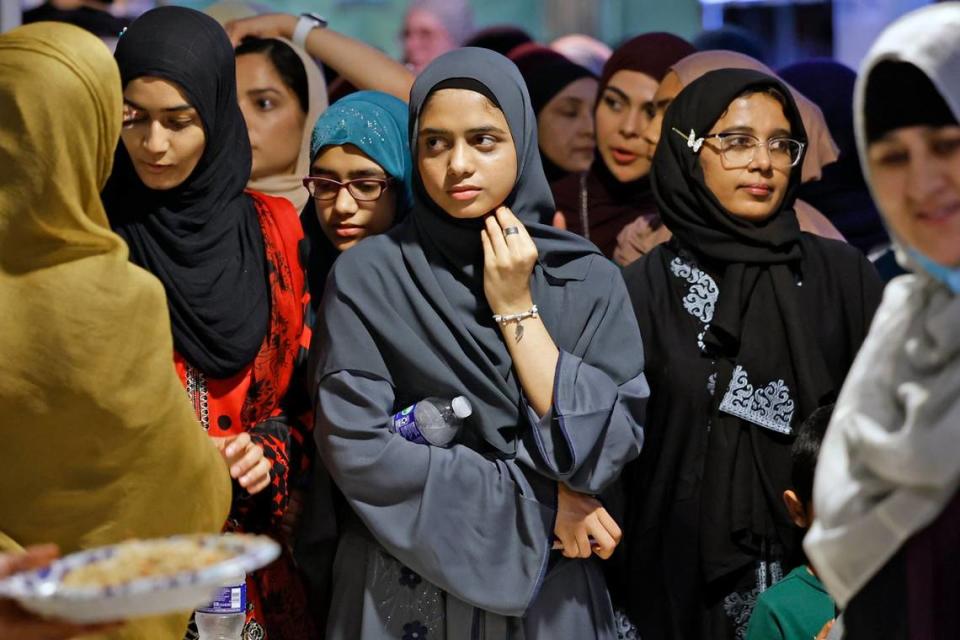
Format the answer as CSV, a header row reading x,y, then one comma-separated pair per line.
x,y
886,539
471,296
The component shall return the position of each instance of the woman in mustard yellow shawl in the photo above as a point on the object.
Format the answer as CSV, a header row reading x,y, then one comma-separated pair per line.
x,y
98,442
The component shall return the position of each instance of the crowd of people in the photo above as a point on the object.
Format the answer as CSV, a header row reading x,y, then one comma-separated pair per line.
x,y
706,315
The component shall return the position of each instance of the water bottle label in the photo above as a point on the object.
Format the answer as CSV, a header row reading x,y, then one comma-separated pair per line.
x,y
228,600
405,424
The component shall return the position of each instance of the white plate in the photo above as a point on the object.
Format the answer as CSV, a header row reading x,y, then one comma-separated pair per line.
x,y
44,593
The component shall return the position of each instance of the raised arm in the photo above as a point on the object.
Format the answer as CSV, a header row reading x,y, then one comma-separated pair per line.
x,y
360,64
587,407
509,257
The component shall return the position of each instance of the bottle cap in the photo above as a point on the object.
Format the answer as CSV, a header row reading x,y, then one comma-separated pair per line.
x,y
461,407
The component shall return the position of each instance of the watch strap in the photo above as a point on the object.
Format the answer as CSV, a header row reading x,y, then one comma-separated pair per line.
x,y
307,23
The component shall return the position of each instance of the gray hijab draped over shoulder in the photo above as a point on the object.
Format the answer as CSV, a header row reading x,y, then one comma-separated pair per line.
x,y
470,528
888,464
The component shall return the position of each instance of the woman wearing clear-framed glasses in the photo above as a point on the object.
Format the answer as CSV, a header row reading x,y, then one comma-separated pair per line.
x,y
639,237
749,325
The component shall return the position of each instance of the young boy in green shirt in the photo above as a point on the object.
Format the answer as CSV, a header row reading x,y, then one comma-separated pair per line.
x,y
797,607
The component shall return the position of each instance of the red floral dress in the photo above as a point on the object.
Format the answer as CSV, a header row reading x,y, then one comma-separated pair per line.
x,y
268,400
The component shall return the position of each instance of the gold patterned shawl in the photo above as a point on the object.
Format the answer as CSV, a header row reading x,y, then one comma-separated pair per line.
x,y
98,442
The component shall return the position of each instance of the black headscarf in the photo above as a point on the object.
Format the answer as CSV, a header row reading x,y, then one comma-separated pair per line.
x,y
202,239
688,206
890,80
758,331
426,325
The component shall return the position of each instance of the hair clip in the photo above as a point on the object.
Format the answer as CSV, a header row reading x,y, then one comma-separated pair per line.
x,y
692,140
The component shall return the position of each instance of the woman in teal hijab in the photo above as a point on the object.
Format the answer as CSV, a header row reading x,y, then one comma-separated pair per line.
x,y
360,177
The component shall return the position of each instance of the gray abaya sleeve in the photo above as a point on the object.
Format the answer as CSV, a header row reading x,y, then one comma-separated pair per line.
x,y
592,430
595,424
479,529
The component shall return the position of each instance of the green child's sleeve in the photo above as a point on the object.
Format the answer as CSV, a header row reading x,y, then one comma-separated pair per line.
x,y
764,624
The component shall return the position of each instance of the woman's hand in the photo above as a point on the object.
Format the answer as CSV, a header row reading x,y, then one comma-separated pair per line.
x,y
639,238
580,518
269,25
509,255
246,462
17,623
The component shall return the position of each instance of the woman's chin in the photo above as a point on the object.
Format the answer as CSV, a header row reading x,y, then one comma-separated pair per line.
x,y
944,250
637,169
752,213
159,183
468,210
342,244
574,162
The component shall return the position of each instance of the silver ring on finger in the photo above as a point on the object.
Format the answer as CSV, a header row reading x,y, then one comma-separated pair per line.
x,y
511,231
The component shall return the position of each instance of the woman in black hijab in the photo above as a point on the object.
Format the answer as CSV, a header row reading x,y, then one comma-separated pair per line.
x,y
229,263
558,391
749,325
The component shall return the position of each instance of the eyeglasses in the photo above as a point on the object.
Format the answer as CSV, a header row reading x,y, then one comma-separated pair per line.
x,y
738,150
361,189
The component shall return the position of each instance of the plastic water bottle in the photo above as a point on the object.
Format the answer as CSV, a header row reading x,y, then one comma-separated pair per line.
x,y
223,618
432,421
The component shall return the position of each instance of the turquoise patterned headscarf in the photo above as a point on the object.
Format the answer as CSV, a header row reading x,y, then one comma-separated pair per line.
x,y
375,123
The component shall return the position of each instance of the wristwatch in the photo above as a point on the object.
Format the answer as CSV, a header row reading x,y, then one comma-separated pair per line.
x,y
307,23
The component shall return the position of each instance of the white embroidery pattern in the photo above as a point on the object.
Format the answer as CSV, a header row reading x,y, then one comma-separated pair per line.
x,y
701,298
768,574
700,336
626,630
770,406
739,607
